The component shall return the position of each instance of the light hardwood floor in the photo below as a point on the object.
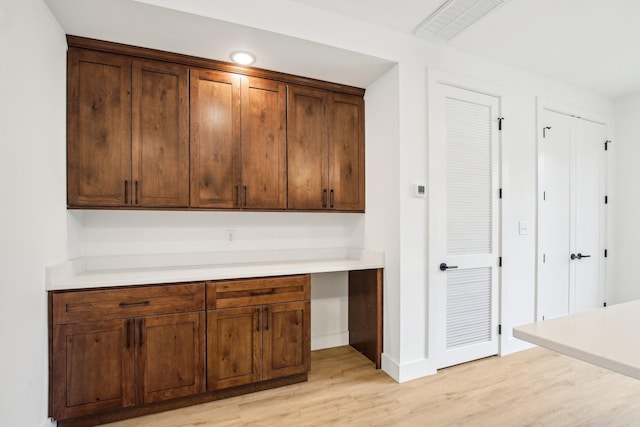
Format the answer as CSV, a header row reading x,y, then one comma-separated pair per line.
x,y
536,387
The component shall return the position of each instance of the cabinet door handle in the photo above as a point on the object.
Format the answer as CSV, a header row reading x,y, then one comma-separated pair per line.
x,y
324,198
263,292
245,196
237,195
133,304
140,333
333,197
128,334
257,319
266,312
126,192
136,192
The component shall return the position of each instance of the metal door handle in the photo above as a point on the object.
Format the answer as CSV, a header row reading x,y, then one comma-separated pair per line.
x,y
579,256
445,267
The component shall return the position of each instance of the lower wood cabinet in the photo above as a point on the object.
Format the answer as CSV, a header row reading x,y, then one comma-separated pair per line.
x,y
123,352
133,349
258,338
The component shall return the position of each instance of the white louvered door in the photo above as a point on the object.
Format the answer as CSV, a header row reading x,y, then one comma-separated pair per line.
x,y
465,246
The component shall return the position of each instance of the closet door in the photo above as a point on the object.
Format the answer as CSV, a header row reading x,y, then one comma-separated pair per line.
x,y
571,223
465,224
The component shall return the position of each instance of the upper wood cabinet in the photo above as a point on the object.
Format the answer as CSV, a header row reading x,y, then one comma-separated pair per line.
x,y
234,166
99,129
215,139
160,134
325,150
128,134
151,129
264,142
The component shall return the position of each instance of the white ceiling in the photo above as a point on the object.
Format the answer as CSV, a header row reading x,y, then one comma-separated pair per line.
x,y
587,43
134,23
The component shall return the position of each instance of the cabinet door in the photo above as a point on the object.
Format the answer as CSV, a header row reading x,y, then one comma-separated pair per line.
x,y
98,128
264,144
160,134
287,346
307,149
346,152
215,139
92,368
170,360
234,347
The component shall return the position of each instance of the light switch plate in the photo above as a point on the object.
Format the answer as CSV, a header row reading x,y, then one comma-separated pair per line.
x,y
523,228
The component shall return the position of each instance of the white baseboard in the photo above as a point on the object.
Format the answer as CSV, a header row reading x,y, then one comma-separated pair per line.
x,y
407,371
329,340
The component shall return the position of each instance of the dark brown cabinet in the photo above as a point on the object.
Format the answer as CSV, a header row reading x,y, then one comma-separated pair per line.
x,y
325,150
151,129
113,349
215,139
128,135
238,141
263,334
98,128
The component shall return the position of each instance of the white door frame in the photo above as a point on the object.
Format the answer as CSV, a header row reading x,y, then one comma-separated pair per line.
x,y
560,107
435,77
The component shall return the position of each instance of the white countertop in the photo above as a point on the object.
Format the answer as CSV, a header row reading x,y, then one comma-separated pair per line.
x,y
97,272
607,337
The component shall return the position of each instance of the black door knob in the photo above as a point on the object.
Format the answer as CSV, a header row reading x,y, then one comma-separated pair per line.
x,y
445,267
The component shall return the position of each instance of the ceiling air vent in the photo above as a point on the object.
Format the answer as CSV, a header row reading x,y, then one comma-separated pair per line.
x,y
455,16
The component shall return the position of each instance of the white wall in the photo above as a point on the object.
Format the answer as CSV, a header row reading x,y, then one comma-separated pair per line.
x,y
32,206
626,152
396,147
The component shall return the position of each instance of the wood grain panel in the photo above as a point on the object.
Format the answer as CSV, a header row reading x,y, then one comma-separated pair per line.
x,y
307,149
85,306
287,344
264,143
215,139
98,129
365,313
160,136
171,356
264,290
346,153
92,369
234,347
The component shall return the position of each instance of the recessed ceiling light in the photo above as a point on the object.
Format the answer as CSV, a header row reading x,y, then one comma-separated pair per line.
x,y
243,58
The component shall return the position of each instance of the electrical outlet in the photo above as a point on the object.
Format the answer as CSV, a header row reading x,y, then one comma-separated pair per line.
x,y
230,236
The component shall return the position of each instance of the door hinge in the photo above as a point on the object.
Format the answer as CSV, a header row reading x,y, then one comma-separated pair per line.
x,y
544,131
499,329
500,193
606,200
606,145
500,119
500,261
606,253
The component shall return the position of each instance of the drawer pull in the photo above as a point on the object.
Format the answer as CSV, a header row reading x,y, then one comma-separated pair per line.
x,y
128,334
264,292
134,304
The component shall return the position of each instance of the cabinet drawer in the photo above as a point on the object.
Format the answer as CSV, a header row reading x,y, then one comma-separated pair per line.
x,y
264,290
86,306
